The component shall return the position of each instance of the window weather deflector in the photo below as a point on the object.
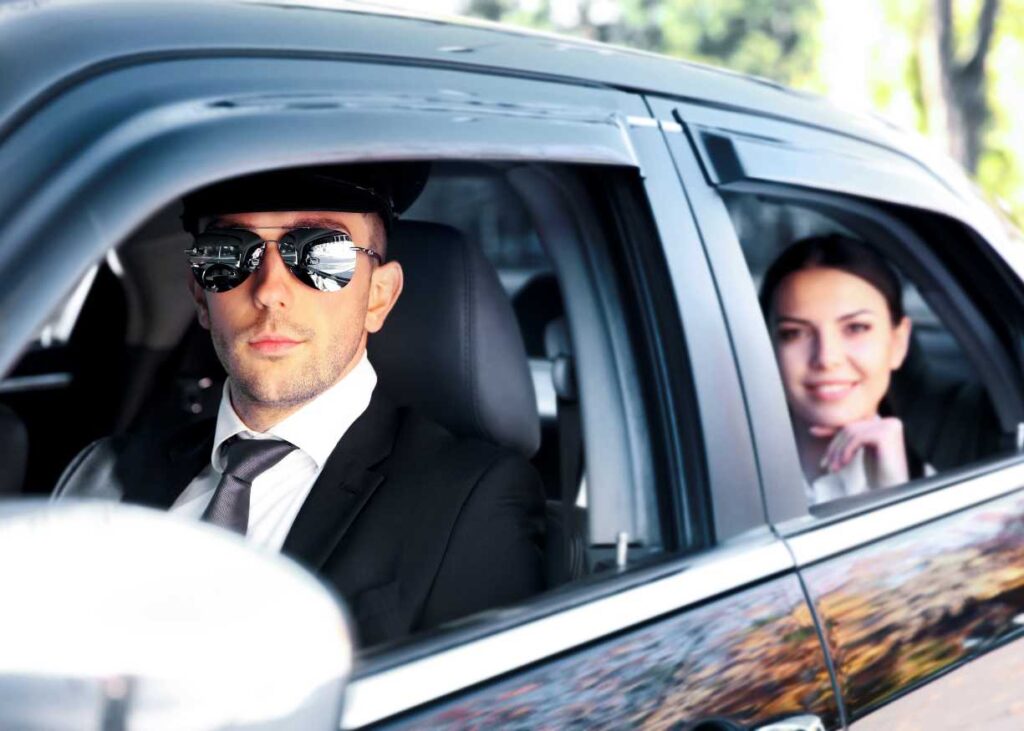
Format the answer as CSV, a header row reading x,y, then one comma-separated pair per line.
x,y
729,157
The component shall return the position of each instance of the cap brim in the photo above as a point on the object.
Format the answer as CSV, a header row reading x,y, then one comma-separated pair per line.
x,y
383,188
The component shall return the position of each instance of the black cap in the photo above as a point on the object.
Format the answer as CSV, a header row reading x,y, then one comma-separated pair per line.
x,y
387,189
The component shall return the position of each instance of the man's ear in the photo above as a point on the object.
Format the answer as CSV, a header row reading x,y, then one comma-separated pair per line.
x,y
900,343
385,287
199,300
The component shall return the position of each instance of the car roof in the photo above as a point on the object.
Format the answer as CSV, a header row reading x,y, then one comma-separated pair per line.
x,y
46,46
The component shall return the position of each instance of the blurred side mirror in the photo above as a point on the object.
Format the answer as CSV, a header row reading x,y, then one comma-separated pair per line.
x,y
117,617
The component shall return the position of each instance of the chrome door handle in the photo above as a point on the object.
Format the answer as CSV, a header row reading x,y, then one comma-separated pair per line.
x,y
807,722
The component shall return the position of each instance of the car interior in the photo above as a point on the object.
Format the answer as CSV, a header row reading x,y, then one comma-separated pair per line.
x,y
942,393
482,310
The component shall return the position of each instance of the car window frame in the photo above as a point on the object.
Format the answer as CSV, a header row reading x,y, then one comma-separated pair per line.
x,y
146,140
782,476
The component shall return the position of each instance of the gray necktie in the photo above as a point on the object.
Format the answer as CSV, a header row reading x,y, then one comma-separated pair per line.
x,y
244,460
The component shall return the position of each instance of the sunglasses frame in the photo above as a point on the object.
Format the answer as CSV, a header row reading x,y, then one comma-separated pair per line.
x,y
252,247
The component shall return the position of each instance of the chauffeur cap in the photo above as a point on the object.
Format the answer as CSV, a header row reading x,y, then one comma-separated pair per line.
x,y
387,189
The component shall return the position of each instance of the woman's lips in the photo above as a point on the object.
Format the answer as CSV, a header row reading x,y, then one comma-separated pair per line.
x,y
830,390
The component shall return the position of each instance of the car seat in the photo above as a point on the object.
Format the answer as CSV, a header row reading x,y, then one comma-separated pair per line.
x,y
948,418
13,452
453,349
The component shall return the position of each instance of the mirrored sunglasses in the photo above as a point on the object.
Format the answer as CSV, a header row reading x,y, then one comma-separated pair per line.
x,y
325,259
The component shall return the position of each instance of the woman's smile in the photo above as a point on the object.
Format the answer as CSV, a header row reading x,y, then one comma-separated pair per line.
x,y
830,390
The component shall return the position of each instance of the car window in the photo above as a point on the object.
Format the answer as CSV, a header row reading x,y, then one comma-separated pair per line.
x,y
946,393
159,372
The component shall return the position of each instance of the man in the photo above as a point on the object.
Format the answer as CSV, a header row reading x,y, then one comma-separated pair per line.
x,y
411,524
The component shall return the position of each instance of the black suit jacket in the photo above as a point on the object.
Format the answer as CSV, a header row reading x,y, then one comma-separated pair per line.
x,y
412,525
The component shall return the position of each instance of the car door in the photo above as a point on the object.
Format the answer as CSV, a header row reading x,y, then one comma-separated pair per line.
x,y
918,588
722,638
695,614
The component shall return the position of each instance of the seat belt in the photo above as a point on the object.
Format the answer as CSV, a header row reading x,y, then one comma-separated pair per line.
x,y
558,349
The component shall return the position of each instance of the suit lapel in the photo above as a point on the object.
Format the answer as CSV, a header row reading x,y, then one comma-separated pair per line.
x,y
344,486
181,457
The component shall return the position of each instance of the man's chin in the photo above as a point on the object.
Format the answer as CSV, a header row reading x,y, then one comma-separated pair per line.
x,y
272,393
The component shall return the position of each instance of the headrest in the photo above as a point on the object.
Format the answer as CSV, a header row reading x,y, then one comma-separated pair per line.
x,y
451,346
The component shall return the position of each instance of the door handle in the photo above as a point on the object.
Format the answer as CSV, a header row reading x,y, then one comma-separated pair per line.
x,y
806,722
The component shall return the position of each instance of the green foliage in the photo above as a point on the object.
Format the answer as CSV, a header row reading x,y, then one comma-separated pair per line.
x,y
781,41
774,40
1001,168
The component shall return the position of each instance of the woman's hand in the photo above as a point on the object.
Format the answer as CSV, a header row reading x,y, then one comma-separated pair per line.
x,y
883,440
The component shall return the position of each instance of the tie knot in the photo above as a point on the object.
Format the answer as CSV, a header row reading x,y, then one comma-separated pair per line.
x,y
246,459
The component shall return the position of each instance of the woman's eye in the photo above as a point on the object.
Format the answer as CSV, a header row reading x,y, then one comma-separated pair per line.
x,y
856,328
788,334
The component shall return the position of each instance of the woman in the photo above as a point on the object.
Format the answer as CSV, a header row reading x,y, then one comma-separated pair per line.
x,y
835,312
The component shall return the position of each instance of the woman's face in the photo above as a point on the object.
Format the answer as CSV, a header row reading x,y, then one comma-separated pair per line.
x,y
835,344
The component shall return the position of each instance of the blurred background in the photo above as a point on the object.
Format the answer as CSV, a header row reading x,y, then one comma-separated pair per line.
x,y
950,69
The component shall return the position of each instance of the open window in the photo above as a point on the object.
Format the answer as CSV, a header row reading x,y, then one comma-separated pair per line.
x,y
576,260
957,392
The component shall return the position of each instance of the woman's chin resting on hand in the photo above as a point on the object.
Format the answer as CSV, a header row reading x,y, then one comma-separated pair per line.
x,y
834,308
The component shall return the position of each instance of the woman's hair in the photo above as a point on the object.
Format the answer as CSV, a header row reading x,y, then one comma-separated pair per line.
x,y
835,251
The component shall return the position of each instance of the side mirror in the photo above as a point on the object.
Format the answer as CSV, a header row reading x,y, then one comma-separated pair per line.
x,y
116,616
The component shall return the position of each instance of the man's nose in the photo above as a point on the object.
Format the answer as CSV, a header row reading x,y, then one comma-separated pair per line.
x,y
273,280
828,350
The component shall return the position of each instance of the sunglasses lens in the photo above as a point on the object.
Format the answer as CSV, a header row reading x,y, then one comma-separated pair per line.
x,y
327,263
219,277
216,261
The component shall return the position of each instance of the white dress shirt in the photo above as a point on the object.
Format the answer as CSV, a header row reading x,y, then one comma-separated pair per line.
x,y
849,480
852,479
278,493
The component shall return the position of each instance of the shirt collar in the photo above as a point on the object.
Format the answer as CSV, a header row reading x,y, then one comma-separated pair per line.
x,y
316,428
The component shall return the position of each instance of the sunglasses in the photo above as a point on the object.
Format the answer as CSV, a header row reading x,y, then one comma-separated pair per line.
x,y
324,259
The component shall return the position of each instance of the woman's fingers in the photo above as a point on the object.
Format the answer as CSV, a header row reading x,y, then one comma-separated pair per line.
x,y
883,437
858,439
848,440
830,461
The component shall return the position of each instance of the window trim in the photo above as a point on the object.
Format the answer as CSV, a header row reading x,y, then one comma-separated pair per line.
x,y
904,508
772,449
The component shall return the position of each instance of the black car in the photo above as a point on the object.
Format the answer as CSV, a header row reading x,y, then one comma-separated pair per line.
x,y
630,205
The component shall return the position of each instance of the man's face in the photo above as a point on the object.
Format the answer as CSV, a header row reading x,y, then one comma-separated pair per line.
x,y
283,342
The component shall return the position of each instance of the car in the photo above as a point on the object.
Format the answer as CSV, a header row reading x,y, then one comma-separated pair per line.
x,y
629,205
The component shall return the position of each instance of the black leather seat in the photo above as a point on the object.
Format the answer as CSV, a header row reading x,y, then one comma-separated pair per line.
x,y
948,419
13,452
452,348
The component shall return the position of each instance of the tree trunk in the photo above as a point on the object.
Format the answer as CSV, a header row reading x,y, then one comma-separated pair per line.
x,y
955,91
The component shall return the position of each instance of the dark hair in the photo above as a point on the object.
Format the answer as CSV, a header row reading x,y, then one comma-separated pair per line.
x,y
836,251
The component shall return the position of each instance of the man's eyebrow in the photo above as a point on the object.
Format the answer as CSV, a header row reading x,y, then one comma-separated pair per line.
x,y
318,222
303,222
